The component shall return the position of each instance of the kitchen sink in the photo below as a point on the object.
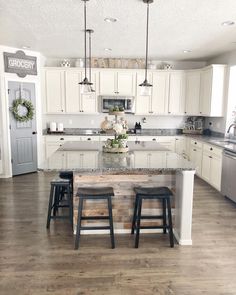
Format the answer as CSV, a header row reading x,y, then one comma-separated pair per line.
x,y
88,132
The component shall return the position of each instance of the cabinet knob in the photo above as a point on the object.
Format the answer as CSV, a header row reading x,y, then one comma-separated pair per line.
x,y
185,112
194,150
210,157
154,139
195,142
169,112
88,138
62,111
200,112
62,138
211,149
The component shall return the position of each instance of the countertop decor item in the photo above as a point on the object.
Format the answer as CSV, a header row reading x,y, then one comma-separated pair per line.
x,y
146,86
23,110
79,63
65,63
85,84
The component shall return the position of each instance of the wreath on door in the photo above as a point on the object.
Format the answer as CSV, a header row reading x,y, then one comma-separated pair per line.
x,y
23,110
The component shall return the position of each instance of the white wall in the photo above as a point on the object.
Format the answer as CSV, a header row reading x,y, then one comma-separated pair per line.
x,y
94,121
4,106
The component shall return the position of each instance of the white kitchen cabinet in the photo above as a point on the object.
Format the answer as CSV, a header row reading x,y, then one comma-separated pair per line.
x,y
143,103
176,102
141,159
82,159
195,155
160,89
149,159
212,165
212,91
192,94
54,91
180,146
75,101
117,82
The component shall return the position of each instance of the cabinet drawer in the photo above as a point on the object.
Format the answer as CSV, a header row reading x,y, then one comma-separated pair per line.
x,y
212,149
196,143
61,138
89,138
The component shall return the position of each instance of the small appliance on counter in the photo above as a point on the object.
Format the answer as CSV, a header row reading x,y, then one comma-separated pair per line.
x,y
55,128
193,125
137,128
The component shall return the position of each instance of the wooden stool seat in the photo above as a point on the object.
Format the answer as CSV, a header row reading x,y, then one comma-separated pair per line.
x,y
95,192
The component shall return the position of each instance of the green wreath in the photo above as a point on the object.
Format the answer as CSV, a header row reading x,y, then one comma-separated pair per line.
x,y
25,103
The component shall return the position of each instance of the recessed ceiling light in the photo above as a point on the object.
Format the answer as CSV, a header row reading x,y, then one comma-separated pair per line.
x,y
25,47
110,20
187,51
107,49
228,23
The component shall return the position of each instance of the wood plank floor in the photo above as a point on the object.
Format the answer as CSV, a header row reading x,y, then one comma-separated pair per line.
x,y
34,261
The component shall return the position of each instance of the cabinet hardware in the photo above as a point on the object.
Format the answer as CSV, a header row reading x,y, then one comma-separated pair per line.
x,y
195,142
62,138
62,111
211,149
194,150
154,139
210,157
169,112
88,138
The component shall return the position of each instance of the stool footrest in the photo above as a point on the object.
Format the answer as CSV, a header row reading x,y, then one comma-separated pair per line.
x,y
60,217
151,217
94,227
94,217
154,227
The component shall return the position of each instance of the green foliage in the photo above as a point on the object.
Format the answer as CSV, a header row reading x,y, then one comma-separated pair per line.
x,y
25,103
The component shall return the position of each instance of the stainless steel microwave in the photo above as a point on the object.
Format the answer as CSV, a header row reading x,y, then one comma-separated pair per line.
x,y
125,102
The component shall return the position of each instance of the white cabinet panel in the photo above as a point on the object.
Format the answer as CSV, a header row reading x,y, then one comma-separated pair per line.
x,y
160,93
107,82
206,90
143,105
206,167
176,93
55,91
180,145
216,169
73,104
126,83
141,159
192,95
196,158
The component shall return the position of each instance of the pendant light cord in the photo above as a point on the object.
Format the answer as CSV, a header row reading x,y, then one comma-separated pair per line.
x,y
90,56
85,39
146,62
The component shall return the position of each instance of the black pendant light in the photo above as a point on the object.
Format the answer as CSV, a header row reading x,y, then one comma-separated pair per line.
x,y
146,86
90,32
85,84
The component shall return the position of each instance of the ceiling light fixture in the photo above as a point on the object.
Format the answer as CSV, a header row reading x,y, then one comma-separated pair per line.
x,y
107,49
186,51
228,23
25,47
146,86
85,84
110,20
90,32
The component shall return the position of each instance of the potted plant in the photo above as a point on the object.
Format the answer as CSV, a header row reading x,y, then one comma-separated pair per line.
x,y
122,140
115,143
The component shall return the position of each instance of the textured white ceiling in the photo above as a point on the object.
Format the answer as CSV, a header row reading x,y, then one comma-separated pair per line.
x,y
54,27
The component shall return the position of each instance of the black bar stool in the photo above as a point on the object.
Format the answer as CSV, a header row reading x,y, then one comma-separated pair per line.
x,y
60,187
67,175
162,194
98,193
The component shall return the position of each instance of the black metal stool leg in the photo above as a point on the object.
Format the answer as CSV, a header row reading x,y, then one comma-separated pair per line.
x,y
78,223
134,215
70,202
111,223
170,223
164,214
139,199
52,192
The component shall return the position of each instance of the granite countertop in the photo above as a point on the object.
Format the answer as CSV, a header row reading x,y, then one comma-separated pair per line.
x,y
145,157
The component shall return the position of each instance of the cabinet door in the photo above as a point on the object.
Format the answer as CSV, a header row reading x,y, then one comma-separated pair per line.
x,y
89,159
206,167
107,83
160,93
216,169
143,103
192,95
157,159
176,93
180,146
73,104
141,159
57,161
206,91
126,83
55,91
196,158
89,103
51,148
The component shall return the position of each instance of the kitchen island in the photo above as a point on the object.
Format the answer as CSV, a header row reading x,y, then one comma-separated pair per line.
x,y
146,164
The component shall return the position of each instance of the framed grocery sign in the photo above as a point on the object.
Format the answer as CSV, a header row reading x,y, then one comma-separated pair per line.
x,y
19,63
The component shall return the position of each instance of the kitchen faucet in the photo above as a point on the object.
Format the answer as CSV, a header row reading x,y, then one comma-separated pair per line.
x,y
232,125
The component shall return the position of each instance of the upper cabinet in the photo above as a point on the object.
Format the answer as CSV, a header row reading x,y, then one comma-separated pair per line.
x,y
212,91
167,94
192,94
176,101
62,92
54,82
117,82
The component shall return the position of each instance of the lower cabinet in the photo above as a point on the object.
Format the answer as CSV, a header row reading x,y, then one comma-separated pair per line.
x,y
196,157
150,159
212,165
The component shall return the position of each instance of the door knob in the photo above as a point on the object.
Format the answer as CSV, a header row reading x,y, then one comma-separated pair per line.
x,y
34,132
